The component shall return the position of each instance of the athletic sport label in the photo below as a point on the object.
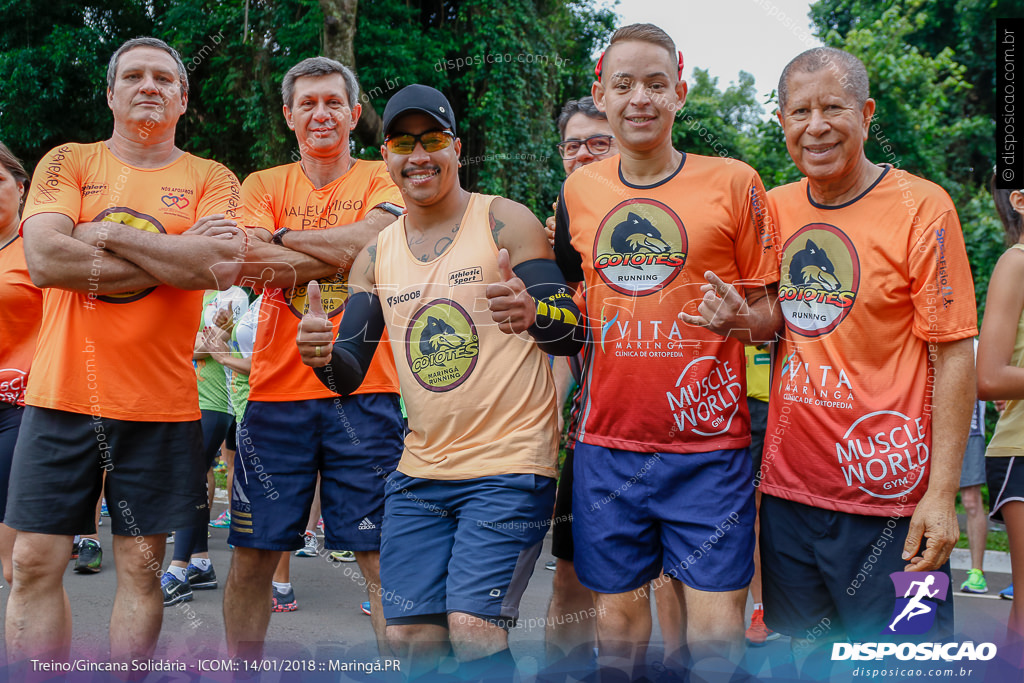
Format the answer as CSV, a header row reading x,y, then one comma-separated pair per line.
x,y
709,395
640,247
442,345
819,280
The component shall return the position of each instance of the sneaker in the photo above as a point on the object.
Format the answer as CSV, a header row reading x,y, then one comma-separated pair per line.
x,y
285,602
200,580
223,521
365,607
104,512
975,582
1007,593
170,537
174,589
74,550
320,527
758,634
550,565
343,556
90,557
311,548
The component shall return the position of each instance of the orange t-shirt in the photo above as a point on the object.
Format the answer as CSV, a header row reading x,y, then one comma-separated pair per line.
x,y
653,383
21,308
865,287
283,197
126,356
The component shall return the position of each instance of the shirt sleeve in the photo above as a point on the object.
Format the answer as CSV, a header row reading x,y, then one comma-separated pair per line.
x,y
220,194
941,285
257,204
57,185
756,246
568,259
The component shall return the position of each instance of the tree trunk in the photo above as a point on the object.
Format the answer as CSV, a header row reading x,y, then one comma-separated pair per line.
x,y
339,44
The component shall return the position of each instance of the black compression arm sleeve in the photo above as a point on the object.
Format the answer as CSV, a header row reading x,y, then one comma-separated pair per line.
x,y
559,329
362,326
568,259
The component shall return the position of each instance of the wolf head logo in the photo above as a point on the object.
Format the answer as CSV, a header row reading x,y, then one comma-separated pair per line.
x,y
811,267
638,235
437,335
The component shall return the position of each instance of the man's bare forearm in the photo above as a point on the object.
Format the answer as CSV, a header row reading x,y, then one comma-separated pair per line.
x,y
183,261
339,246
58,260
269,265
952,404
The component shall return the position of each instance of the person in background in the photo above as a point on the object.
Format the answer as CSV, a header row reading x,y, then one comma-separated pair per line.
x,y
972,476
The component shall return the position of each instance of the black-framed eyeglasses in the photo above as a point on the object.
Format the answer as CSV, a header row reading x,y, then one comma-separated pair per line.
x,y
595,144
432,141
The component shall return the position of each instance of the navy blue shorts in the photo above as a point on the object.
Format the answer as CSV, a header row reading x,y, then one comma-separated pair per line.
x,y
351,442
823,570
461,546
10,421
635,515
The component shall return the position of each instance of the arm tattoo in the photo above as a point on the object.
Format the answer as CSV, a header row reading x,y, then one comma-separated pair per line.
x,y
372,250
496,226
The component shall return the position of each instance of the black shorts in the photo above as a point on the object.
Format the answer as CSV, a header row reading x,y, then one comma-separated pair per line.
x,y
758,425
827,571
10,421
1005,483
561,526
156,476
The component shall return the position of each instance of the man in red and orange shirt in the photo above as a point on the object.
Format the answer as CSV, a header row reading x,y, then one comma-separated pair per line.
x,y
308,221
123,236
873,386
662,477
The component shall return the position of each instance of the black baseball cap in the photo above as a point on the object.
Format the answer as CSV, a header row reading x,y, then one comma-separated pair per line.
x,y
421,98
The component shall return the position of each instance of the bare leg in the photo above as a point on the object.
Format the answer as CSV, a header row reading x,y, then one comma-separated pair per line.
x,y
138,603
568,597
314,510
668,596
419,646
247,601
369,565
7,552
623,630
714,624
977,524
755,583
282,573
1013,515
38,620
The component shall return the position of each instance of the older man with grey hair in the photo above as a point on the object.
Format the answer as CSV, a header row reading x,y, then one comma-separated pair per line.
x,y
121,233
308,220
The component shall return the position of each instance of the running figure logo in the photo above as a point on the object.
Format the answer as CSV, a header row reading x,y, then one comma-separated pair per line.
x,y
917,594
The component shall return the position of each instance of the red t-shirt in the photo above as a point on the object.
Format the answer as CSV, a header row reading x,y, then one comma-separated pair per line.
x,y
653,383
865,287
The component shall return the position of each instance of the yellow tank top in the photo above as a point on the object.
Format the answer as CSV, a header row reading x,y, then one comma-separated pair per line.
x,y
480,402
1008,438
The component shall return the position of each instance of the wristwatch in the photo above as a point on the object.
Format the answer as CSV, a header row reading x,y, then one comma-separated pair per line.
x,y
393,209
279,235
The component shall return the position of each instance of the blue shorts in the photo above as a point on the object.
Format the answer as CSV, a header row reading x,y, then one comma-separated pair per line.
x,y
352,443
461,546
635,515
823,570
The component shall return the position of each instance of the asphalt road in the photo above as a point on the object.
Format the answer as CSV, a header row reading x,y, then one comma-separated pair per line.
x,y
329,625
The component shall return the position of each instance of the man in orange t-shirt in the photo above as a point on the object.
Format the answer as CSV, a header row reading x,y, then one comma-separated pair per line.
x,y
874,381
123,236
308,220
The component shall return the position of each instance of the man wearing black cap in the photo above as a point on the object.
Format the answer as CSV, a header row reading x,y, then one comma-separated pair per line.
x,y
469,505
308,220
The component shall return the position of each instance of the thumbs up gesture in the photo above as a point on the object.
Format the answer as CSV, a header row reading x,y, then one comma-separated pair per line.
x,y
315,338
511,305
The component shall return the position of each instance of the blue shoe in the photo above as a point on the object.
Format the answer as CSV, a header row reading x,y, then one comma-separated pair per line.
x,y
174,589
1007,593
285,602
365,607
104,512
199,579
